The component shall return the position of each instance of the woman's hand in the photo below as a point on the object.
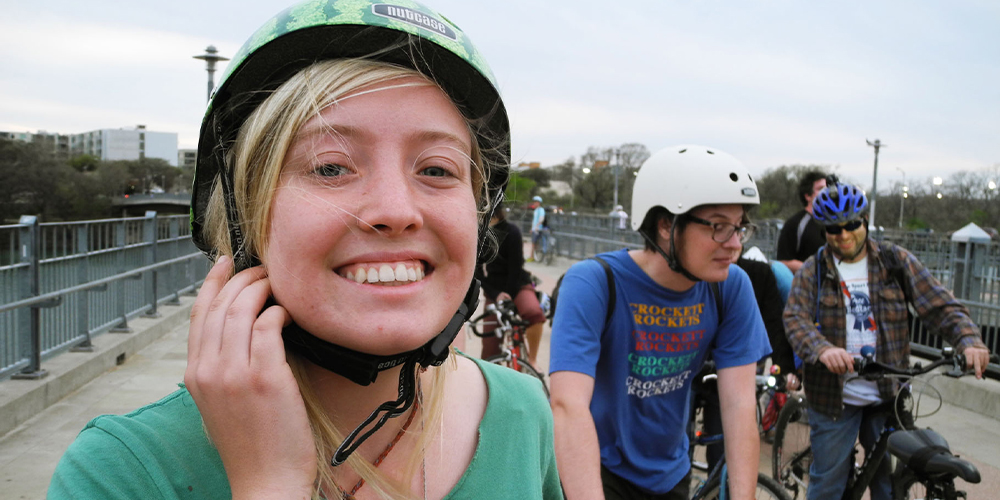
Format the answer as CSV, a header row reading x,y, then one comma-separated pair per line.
x,y
244,388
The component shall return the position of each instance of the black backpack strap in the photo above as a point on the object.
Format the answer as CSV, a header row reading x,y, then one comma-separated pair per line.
x,y
894,268
612,295
820,270
717,293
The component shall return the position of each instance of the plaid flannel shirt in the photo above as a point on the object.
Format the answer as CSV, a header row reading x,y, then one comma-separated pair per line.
x,y
934,304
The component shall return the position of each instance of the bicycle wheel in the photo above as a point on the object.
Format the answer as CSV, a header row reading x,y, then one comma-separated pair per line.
x,y
524,367
791,454
767,489
538,250
909,487
550,251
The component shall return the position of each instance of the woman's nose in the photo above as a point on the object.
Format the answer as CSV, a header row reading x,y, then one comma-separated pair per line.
x,y
389,204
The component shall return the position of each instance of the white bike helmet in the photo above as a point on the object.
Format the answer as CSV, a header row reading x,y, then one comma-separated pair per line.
x,y
680,178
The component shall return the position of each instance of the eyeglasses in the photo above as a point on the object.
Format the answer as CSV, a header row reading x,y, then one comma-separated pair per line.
x,y
722,231
850,226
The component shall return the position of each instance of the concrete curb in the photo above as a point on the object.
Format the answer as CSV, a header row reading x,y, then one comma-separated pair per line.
x,y
21,400
978,396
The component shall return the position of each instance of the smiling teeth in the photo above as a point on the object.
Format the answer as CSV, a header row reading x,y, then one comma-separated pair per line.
x,y
386,274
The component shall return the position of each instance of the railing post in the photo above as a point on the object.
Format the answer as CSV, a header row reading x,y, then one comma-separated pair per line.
x,y
175,234
149,227
121,240
83,276
30,287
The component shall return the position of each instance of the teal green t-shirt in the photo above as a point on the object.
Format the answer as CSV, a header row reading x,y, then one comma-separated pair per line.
x,y
161,450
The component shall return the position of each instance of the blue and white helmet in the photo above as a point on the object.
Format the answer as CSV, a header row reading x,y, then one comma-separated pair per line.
x,y
839,203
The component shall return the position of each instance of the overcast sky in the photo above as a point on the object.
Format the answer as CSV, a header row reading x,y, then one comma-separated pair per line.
x,y
772,82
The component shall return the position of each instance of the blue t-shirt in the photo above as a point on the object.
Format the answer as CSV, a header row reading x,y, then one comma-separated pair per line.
x,y
643,362
537,219
783,275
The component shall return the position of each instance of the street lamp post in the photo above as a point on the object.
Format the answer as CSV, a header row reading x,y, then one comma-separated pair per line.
x,y
211,56
877,144
902,196
617,160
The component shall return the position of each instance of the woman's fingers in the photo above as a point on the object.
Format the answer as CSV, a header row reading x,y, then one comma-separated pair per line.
x,y
241,321
220,311
214,281
267,348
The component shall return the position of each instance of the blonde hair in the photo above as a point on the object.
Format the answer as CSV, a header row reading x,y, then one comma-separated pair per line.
x,y
255,162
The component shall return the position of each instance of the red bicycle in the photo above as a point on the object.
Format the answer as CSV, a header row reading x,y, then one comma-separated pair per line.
x,y
509,327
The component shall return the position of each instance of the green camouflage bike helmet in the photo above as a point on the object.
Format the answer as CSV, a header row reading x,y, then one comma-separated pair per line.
x,y
404,33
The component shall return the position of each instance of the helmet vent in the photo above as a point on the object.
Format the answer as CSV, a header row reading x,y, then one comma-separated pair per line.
x,y
683,151
733,176
710,152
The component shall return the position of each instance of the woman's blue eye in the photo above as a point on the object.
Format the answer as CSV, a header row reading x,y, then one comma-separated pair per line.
x,y
331,170
435,172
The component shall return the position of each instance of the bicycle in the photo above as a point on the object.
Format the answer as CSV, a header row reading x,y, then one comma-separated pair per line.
x,y
708,488
925,467
510,328
545,249
772,395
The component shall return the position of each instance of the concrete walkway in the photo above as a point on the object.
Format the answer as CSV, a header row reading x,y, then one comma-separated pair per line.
x,y
30,452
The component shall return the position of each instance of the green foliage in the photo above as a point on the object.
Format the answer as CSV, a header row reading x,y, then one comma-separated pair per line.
x,y
980,217
33,182
767,210
779,190
541,176
518,190
85,163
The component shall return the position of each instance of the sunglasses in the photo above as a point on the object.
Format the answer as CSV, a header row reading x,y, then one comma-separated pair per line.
x,y
850,226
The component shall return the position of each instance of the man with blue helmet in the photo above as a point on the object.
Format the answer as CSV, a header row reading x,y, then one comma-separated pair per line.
x,y
863,288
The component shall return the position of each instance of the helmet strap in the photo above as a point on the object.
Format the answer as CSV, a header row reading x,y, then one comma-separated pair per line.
x,y
362,368
671,257
241,258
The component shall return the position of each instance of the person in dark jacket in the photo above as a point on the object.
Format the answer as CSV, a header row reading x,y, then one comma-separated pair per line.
x,y
504,278
765,290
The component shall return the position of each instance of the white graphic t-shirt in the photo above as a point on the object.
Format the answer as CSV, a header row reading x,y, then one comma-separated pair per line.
x,y
861,328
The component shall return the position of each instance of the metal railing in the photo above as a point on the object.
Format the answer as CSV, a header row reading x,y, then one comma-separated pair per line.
x,y
64,283
970,270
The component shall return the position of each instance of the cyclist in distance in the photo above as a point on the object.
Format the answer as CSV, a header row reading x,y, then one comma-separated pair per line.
x,y
538,224
504,278
857,289
348,164
621,391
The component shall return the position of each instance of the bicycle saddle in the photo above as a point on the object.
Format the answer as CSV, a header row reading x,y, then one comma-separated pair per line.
x,y
927,452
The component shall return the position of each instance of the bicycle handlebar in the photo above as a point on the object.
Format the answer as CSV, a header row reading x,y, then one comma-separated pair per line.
x,y
870,369
506,315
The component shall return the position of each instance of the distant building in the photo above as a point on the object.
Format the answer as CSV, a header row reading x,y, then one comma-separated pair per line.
x,y
106,144
126,144
58,144
187,157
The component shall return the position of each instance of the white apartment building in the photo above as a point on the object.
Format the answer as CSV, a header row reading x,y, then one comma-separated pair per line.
x,y
187,157
126,144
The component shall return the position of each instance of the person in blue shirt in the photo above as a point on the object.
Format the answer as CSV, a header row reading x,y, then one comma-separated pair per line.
x,y
538,223
620,389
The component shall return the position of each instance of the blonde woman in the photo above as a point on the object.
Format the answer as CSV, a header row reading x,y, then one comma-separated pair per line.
x,y
347,168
